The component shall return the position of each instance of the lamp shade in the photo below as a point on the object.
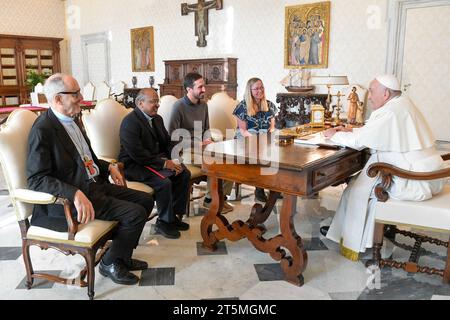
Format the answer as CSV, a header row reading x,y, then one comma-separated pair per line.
x,y
329,80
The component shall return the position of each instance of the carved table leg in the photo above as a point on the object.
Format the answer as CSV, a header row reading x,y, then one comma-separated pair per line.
x,y
294,265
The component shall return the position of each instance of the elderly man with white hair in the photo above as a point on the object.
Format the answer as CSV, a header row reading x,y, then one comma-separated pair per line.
x,y
398,134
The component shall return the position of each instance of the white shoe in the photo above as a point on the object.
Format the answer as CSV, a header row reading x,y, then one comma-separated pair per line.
x,y
227,207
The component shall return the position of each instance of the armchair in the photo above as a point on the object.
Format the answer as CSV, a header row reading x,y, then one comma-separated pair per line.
x,y
88,91
197,176
432,214
83,239
102,125
103,91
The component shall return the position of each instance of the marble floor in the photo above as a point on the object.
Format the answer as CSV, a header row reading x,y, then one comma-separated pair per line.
x,y
181,269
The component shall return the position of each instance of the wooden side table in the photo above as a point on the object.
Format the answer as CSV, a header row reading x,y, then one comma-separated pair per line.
x,y
290,100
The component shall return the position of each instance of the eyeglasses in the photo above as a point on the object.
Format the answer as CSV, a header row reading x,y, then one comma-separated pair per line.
x,y
74,94
258,89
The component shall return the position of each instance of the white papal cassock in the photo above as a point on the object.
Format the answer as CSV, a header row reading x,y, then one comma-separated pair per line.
x,y
398,134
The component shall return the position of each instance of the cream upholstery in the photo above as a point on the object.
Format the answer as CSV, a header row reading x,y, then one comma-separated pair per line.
x,y
88,91
139,186
117,90
102,126
102,91
39,88
13,156
429,214
87,234
166,108
196,172
220,110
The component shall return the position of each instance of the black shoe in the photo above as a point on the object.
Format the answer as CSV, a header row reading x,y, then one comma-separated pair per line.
x,y
167,230
118,273
324,230
390,231
180,225
135,265
260,195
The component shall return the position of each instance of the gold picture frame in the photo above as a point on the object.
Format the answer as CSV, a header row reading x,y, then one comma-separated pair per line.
x,y
307,35
142,49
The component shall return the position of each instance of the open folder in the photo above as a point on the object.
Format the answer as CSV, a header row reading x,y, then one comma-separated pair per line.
x,y
319,140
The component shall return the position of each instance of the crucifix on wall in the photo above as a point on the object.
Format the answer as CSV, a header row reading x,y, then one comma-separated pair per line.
x,y
201,17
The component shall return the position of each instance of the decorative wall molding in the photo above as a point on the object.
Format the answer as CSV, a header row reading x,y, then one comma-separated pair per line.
x,y
91,39
397,15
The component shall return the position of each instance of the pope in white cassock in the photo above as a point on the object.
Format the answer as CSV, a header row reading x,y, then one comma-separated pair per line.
x,y
398,134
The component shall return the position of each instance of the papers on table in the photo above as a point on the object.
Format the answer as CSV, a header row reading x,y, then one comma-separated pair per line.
x,y
319,140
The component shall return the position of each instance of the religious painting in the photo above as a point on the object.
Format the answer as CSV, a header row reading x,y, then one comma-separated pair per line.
x,y
307,35
142,49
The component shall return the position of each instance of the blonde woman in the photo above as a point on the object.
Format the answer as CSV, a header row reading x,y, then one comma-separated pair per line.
x,y
255,114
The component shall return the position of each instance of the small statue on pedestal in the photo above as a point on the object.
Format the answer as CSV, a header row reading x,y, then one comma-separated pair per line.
x,y
353,105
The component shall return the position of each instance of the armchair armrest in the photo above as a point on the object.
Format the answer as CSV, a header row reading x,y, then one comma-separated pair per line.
x,y
34,197
387,171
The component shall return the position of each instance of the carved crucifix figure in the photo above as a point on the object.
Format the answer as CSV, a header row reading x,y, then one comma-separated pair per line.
x,y
201,17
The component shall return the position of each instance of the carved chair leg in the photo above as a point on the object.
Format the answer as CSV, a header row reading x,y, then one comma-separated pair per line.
x,y
377,245
237,190
89,257
28,265
188,202
446,278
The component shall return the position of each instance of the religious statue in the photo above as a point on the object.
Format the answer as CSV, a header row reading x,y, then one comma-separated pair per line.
x,y
353,105
201,17
360,113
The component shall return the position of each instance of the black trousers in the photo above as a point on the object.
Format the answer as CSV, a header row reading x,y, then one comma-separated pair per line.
x,y
129,207
171,194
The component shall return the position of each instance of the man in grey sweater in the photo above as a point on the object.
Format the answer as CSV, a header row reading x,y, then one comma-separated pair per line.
x,y
191,113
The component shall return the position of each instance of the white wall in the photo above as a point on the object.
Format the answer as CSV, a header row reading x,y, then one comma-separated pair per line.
x,y
43,18
251,30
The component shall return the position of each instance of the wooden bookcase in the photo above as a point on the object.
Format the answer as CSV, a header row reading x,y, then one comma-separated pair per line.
x,y
220,75
18,54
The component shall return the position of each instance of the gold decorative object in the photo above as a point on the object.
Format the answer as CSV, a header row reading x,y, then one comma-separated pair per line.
x,y
317,116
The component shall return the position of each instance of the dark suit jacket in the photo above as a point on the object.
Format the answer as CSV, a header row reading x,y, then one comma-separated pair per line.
x,y
142,145
54,166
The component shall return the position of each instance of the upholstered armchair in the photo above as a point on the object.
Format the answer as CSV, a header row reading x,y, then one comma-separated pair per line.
x,y
83,239
165,108
221,119
197,176
88,91
102,125
431,215
102,91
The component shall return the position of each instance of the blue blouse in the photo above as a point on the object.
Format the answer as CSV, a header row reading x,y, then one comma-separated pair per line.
x,y
260,122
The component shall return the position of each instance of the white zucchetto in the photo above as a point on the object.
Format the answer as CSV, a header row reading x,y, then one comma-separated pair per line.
x,y
389,81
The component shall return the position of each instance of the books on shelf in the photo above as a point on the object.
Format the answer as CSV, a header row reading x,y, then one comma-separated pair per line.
x,y
319,140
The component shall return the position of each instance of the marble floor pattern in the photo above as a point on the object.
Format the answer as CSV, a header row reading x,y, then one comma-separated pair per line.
x,y
181,269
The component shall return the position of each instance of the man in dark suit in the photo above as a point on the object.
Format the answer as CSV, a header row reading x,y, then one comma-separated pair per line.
x,y
61,162
146,150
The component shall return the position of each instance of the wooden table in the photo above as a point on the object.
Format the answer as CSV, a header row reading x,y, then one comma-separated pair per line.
x,y
296,170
